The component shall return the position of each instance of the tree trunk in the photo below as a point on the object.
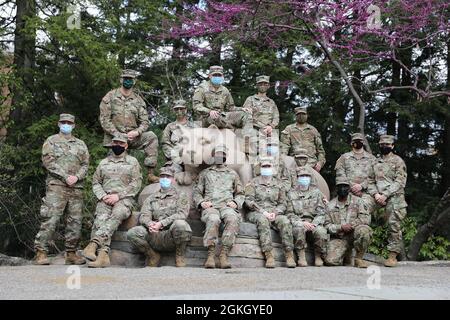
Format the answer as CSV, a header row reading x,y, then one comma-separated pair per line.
x,y
24,57
392,116
440,216
445,150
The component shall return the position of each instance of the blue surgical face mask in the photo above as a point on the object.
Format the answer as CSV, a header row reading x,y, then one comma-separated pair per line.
x,y
66,128
217,81
165,183
266,172
272,150
304,181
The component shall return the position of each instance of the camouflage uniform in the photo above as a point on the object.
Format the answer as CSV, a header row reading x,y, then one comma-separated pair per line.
x,y
207,98
388,177
355,168
220,185
171,208
120,114
302,153
307,206
305,136
114,175
354,212
62,157
264,112
173,135
268,196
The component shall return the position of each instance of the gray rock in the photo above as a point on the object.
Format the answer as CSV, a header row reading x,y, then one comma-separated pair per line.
x,y
13,261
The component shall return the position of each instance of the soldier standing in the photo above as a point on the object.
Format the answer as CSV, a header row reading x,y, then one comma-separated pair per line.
x,y
172,138
116,181
124,111
387,181
218,193
354,166
265,197
163,223
303,135
66,160
348,223
306,211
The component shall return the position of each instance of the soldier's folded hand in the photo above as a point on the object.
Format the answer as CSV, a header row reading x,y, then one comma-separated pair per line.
x,y
268,130
71,180
346,227
214,114
309,226
232,204
155,226
317,167
206,204
356,188
132,135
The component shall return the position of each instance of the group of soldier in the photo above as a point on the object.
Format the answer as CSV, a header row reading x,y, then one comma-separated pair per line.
x,y
287,200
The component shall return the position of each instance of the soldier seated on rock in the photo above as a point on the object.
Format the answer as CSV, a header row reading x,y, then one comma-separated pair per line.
x,y
306,211
265,197
218,193
347,221
115,183
163,223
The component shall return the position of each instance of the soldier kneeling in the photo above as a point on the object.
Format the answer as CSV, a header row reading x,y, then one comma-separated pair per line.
x,y
163,223
347,222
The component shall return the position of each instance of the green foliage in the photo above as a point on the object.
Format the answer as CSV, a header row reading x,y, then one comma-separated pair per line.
x,y
435,248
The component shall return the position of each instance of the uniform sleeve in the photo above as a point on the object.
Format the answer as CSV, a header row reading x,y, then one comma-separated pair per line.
x,y
285,141
49,161
289,207
276,117
282,203
106,115
340,168
199,189
146,215
320,151
144,123
239,195
371,182
328,224
97,181
182,211
320,209
134,186
399,182
250,199
82,173
363,217
166,143
229,102
198,101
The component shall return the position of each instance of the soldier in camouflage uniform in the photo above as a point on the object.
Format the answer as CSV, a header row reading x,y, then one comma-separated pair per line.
x,y
347,221
306,211
219,194
163,223
387,181
301,161
170,141
124,111
265,197
66,160
354,166
214,105
303,135
116,181
264,111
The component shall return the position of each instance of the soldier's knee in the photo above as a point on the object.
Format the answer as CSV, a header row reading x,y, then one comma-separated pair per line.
x,y
149,136
320,232
282,220
137,232
213,219
363,231
182,226
262,221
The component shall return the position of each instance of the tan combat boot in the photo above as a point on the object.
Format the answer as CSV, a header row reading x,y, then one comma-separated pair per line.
x,y
73,258
270,261
290,262
90,252
151,177
179,255
152,258
359,261
392,260
41,258
318,262
102,260
301,262
210,262
223,258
